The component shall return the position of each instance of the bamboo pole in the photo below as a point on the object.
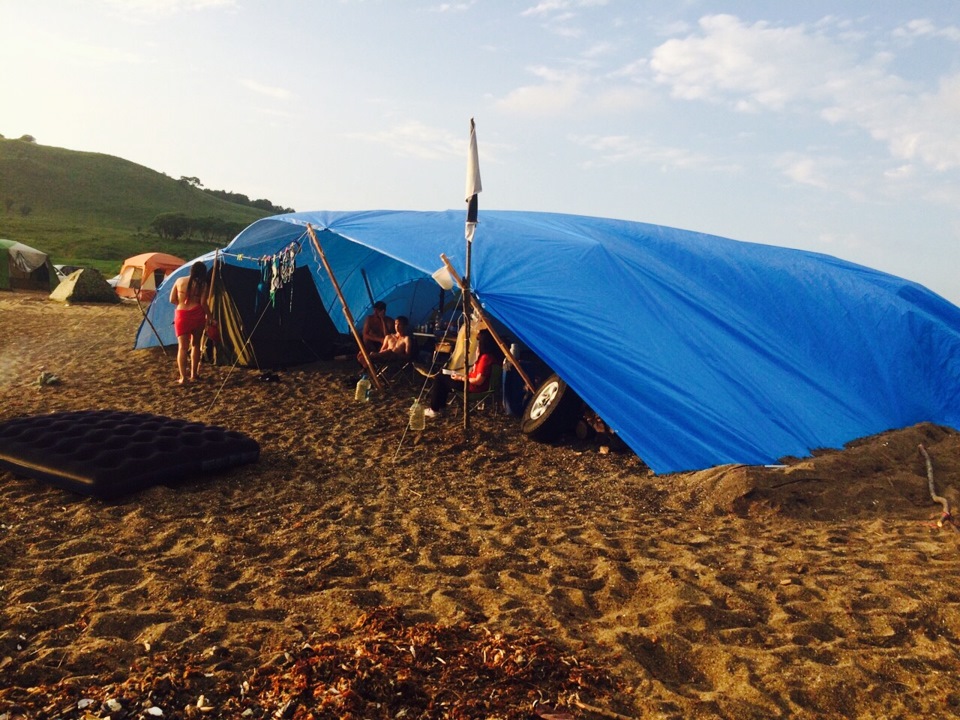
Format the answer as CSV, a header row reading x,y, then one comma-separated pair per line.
x,y
496,337
374,380
466,337
209,300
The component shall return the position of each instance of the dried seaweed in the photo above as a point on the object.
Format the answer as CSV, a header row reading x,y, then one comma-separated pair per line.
x,y
383,667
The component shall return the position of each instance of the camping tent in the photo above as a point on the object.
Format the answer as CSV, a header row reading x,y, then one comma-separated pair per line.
x,y
697,350
24,268
268,327
84,285
141,275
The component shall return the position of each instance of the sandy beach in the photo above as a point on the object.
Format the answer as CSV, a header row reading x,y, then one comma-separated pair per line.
x,y
358,571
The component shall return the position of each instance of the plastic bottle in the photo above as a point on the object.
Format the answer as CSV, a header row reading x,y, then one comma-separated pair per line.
x,y
417,422
362,393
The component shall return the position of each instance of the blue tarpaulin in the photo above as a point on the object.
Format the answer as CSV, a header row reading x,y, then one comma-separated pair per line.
x,y
697,350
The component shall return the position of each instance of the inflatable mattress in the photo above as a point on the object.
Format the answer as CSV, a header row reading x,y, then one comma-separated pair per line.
x,y
107,453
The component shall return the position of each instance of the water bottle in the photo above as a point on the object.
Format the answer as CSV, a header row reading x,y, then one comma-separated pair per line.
x,y
417,422
362,393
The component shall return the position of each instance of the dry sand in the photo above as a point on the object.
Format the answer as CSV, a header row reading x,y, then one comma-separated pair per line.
x,y
824,589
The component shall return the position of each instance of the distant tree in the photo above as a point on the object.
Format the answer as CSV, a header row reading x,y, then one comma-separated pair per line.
x,y
214,228
28,138
191,181
206,226
229,230
25,209
10,202
241,199
171,226
233,197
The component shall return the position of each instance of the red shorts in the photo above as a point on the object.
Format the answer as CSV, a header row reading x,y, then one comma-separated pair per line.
x,y
189,321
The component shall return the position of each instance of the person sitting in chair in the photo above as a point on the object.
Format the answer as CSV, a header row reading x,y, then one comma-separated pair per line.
x,y
397,346
478,378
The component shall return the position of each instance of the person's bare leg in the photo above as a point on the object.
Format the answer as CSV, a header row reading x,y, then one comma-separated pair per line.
x,y
183,343
195,356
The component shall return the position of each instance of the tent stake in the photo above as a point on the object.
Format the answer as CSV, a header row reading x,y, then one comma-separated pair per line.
x,y
374,380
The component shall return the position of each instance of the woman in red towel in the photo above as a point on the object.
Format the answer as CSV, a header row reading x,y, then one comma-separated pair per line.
x,y
189,294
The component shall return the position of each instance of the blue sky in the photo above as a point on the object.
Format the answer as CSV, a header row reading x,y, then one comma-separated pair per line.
x,y
828,126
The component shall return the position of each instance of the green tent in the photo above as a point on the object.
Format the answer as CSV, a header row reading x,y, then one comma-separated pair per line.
x,y
84,285
24,268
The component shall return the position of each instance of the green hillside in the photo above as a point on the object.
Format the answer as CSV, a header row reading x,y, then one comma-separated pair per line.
x,y
95,210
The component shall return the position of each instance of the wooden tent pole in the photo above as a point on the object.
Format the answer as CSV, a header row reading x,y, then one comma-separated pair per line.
x,y
375,381
210,305
503,348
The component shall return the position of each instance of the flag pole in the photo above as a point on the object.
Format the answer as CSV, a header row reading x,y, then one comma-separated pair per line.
x,y
466,337
473,187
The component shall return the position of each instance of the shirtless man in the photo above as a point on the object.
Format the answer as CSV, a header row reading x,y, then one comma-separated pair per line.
x,y
376,327
189,294
397,345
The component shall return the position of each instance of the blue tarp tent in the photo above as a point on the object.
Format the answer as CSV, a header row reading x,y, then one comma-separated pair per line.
x,y
697,350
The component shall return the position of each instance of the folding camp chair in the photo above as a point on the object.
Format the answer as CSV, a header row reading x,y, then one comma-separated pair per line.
x,y
400,370
479,400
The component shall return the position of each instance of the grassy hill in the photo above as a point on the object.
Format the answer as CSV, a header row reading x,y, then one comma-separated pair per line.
x,y
95,210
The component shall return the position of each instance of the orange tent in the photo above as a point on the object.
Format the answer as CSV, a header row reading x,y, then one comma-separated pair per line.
x,y
141,275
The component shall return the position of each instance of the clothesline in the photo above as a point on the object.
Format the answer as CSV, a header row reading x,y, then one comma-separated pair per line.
x,y
295,246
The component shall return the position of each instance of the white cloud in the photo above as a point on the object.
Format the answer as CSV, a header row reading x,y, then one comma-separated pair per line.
x,y
752,67
168,7
558,92
260,89
414,139
597,50
546,7
922,28
448,7
761,68
804,170
614,149
558,15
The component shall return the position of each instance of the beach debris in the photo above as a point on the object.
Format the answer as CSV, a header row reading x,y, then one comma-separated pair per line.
x,y
47,378
600,711
84,703
384,667
945,516
546,712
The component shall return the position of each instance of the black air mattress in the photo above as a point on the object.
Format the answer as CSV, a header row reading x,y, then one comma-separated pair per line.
x,y
107,453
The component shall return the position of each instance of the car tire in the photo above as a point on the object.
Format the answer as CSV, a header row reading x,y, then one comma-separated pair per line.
x,y
554,410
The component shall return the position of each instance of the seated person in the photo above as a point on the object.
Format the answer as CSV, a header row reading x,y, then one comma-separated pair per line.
x,y
376,327
479,377
397,346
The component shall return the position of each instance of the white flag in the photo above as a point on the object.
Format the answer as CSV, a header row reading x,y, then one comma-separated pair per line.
x,y
473,182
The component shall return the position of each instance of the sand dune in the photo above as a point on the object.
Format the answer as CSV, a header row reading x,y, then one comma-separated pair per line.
x,y
821,589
